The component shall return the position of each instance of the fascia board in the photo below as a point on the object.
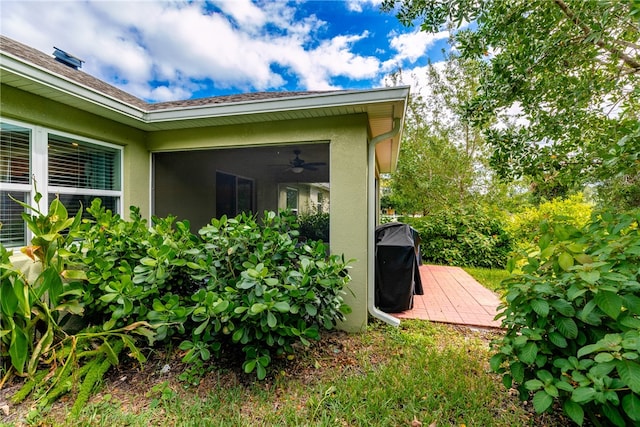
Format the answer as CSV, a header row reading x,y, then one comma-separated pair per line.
x,y
297,103
62,84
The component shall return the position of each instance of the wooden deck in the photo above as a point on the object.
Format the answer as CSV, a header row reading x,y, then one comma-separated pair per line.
x,y
451,295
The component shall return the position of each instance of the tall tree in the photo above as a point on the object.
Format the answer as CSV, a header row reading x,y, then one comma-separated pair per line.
x,y
441,157
572,69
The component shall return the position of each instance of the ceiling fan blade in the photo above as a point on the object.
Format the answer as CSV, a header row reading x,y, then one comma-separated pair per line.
x,y
315,164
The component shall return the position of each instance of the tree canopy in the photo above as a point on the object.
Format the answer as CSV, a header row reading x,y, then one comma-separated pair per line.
x,y
569,68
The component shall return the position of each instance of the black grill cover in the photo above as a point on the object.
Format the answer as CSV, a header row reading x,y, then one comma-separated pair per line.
x,y
397,267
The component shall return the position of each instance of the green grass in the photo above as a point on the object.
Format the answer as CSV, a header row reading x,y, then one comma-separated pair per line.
x,y
383,377
489,278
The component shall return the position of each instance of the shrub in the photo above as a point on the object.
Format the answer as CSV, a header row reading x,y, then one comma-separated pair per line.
x,y
572,321
264,291
314,226
573,210
462,237
239,282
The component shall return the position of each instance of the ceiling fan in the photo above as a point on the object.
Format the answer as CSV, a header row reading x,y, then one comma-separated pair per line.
x,y
298,165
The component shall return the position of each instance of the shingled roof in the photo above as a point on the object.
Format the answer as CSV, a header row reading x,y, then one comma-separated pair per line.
x,y
48,62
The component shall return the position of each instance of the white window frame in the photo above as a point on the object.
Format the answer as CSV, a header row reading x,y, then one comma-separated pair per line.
x,y
38,162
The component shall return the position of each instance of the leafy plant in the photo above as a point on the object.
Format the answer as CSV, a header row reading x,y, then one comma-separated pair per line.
x,y
263,291
42,328
463,237
314,226
523,226
572,320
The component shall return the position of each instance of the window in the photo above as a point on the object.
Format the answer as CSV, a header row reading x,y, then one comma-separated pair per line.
x,y
292,199
75,169
234,195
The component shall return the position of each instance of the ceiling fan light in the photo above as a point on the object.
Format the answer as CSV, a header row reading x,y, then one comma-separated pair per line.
x,y
297,169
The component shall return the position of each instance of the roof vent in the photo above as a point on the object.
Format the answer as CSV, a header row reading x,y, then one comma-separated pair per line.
x,y
69,60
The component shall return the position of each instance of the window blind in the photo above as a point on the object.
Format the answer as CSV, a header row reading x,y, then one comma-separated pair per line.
x,y
78,164
14,155
13,231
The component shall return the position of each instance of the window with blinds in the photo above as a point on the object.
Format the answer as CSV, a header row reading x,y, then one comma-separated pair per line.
x,y
15,145
77,164
12,227
73,169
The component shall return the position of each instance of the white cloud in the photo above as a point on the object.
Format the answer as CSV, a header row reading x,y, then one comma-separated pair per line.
x,y
411,46
357,5
162,50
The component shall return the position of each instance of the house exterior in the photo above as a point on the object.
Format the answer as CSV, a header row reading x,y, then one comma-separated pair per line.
x,y
80,138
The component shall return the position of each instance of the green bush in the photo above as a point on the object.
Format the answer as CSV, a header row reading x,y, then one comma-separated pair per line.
x,y
264,290
523,226
462,237
314,226
240,282
572,321
104,281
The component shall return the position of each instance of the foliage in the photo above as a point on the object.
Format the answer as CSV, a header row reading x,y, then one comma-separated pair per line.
x,y
570,67
40,308
442,154
571,319
314,226
106,280
463,237
524,225
263,291
131,268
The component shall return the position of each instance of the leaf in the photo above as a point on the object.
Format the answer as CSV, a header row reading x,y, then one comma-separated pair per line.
x,y
567,327
528,353
629,372
574,411
563,307
540,306
8,300
111,355
557,339
565,260
591,277
609,302
542,401
282,306
533,385
631,406
613,414
271,320
583,395
250,365
311,309
18,349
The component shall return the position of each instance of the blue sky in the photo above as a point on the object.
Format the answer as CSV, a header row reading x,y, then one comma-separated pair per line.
x,y
168,50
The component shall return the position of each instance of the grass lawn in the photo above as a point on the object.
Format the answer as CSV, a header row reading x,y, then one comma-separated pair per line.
x,y
489,278
420,374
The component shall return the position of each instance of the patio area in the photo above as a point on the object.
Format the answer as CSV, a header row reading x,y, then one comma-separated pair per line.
x,y
451,295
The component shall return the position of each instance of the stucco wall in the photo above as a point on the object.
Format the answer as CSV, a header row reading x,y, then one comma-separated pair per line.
x,y
347,138
32,109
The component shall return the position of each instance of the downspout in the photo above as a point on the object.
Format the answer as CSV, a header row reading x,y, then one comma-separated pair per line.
x,y
371,269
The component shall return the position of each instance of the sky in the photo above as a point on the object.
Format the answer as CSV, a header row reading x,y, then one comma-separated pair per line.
x,y
175,50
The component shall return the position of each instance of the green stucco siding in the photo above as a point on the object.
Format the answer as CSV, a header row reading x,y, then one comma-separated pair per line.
x,y
35,110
